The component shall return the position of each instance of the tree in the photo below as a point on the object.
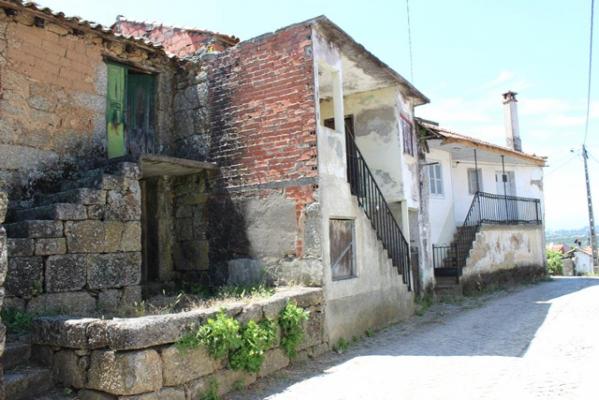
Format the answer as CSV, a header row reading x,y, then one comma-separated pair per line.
x,y
555,264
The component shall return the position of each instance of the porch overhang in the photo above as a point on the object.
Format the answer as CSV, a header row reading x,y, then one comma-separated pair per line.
x,y
363,71
152,165
462,148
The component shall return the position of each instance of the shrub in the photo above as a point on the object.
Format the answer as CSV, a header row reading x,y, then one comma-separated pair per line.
x,y
256,338
16,321
341,346
555,264
220,336
291,321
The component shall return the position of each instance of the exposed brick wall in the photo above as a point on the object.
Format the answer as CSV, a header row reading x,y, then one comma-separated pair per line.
x,y
176,41
262,116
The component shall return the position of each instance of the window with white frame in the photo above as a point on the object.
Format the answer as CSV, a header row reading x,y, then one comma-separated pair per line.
x,y
475,180
435,179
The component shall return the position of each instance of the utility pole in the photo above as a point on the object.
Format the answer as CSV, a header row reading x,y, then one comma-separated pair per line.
x,y
585,156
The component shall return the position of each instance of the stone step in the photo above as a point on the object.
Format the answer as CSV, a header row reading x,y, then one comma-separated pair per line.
x,y
85,196
27,383
15,354
34,229
56,211
63,394
96,180
448,292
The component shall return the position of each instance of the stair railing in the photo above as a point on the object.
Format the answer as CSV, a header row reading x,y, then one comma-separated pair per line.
x,y
486,208
371,200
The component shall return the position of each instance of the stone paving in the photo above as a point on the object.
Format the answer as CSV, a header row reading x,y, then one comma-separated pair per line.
x,y
535,342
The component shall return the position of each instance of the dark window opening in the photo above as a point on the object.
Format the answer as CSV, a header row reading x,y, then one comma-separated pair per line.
x,y
409,139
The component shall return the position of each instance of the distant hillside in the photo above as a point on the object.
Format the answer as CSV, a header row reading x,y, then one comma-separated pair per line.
x,y
567,236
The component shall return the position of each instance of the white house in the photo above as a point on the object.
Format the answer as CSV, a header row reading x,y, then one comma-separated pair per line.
x,y
485,203
582,260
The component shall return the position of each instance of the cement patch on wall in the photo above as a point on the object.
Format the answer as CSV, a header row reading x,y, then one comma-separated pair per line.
x,y
500,248
271,225
354,315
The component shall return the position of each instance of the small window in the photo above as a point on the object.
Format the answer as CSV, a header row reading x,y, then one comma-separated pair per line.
x,y
435,178
409,141
341,236
349,124
474,184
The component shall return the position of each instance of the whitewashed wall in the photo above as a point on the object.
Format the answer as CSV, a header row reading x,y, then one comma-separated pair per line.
x,y
376,296
442,218
528,183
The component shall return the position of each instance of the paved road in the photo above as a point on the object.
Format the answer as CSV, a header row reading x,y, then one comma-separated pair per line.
x,y
536,342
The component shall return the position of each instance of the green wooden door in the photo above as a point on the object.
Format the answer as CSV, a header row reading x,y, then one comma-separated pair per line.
x,y
140,110
115,110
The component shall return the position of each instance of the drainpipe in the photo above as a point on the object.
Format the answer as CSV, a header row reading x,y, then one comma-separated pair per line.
x,y
504,179
480,216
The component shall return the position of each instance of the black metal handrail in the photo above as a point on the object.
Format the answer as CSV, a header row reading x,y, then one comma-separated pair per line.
x,y
371,200
486,208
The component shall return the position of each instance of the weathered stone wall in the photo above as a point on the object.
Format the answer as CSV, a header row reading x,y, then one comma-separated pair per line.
x,y
190,251
138,357
87,259
3,268
53,82
504,254
251,110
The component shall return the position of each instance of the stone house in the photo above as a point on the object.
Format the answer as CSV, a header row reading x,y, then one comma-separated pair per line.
x,y
144,155
316,149
485,205
139,156
127,165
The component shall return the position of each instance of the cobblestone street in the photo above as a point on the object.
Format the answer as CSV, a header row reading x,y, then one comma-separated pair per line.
x,y
535,342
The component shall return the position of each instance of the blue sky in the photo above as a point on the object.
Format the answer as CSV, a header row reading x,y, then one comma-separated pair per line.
x,y
466,53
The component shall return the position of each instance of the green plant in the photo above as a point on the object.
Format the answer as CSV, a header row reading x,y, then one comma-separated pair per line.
x,y
17,321
555,264
220,335
424,303
341,346
256,338
212,393
238,385
291,321
244,291
188,341
369,333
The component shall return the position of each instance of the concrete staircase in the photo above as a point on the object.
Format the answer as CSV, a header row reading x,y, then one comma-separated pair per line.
x,y
459,250
447,288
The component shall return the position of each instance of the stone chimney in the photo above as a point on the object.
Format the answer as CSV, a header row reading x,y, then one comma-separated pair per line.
x,y
510,116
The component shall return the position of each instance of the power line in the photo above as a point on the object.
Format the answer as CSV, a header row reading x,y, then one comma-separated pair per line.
x,y
561,165
410,41
590,75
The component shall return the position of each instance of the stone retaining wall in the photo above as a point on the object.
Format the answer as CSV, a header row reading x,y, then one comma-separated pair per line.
x,y
136,358
85,260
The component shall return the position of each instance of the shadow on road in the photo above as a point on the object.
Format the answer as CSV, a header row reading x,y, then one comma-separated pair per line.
x,y
504,325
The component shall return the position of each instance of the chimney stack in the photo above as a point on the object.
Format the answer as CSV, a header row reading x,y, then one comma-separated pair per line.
x,y
510,116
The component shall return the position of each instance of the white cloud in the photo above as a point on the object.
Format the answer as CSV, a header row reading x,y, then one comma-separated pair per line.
x,y
502,77
544,106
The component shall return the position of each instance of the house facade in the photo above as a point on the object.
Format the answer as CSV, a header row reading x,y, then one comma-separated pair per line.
x,y
134,162
144,156
485,204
